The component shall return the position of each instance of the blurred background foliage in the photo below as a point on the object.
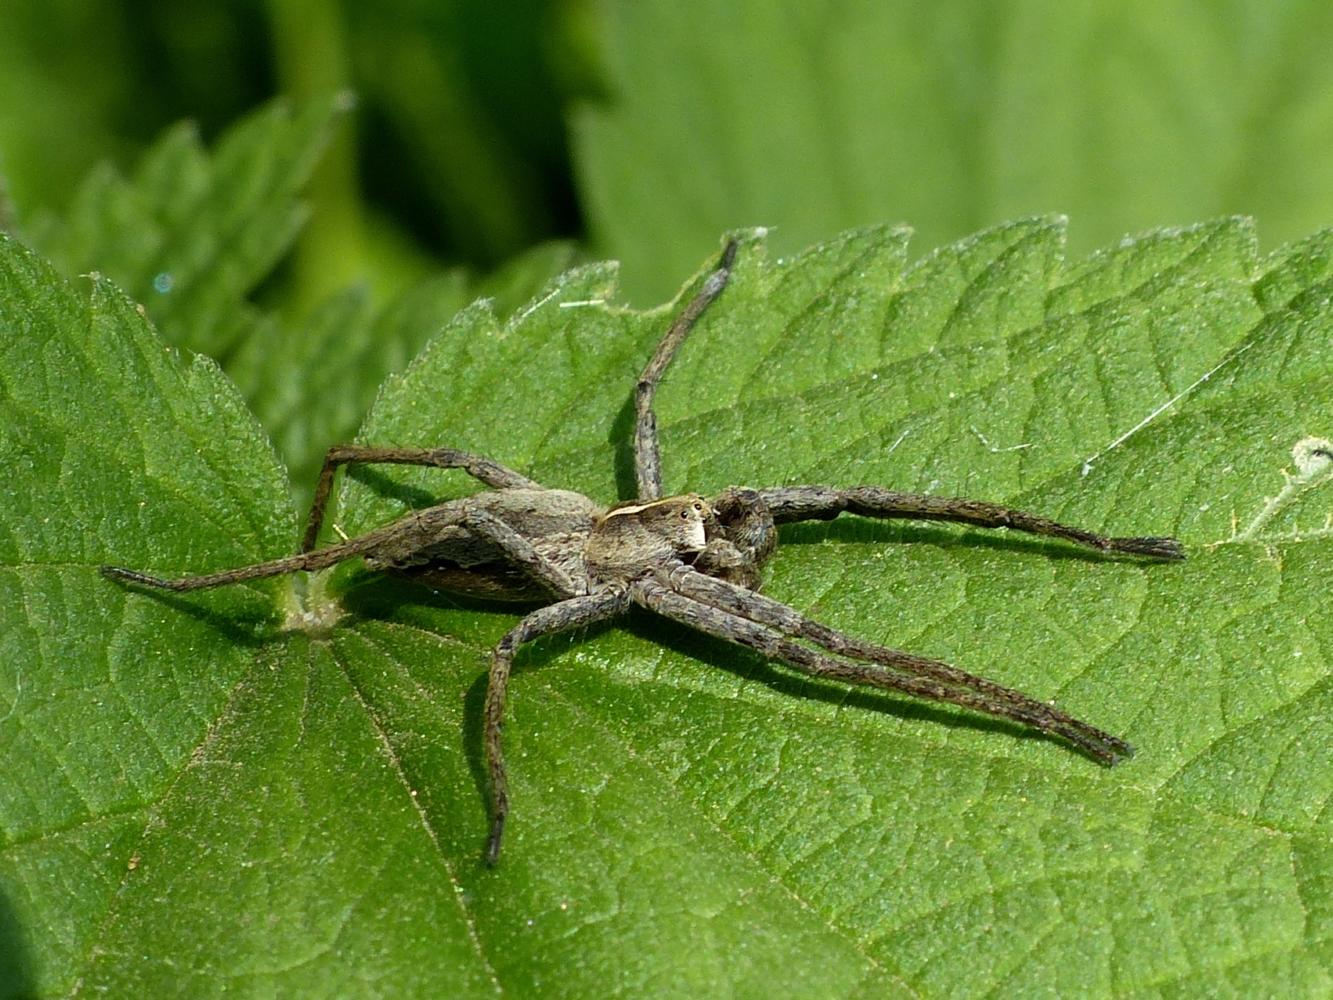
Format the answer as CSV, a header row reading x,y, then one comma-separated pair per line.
x,y
492,144
643,129
457,151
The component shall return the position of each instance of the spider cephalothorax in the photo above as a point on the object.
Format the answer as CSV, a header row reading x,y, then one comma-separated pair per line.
x,y
693,560
632,538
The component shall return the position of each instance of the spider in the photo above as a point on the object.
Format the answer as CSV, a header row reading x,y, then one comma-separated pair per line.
x,y
696,561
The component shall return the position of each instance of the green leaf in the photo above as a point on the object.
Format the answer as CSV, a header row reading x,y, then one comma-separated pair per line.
x,y
195,232
815,117
232,789
312,385
192,234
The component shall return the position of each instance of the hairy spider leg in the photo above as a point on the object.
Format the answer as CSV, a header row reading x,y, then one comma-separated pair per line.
x,y
573,613
393,541
291,564
823,503
658,597
488,471
647,458
1001,700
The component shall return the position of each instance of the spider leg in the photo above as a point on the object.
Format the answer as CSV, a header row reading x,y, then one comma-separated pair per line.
x,y
771,642
291,564
790,622
573,613
490,472
647,460
395,542
823,503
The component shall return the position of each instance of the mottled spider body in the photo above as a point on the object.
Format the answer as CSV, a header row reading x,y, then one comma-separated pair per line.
x,y
463,559
694,560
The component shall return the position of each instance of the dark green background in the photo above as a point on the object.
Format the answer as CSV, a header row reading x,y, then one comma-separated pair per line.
x,y
644,129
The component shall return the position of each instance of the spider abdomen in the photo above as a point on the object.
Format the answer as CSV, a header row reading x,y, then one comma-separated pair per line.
x,y
462,560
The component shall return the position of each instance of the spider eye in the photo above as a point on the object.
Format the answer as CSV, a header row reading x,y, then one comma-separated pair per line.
x,y
684,515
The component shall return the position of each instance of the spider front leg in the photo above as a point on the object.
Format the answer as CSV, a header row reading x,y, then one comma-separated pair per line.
x,y
647,460
823,503
911,675
952,682
488,471
573,613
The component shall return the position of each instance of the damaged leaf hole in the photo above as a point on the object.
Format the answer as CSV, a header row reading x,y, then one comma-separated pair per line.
x,y
1313,461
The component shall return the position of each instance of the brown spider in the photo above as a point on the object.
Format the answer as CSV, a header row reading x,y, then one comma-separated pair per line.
x,y
693,560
